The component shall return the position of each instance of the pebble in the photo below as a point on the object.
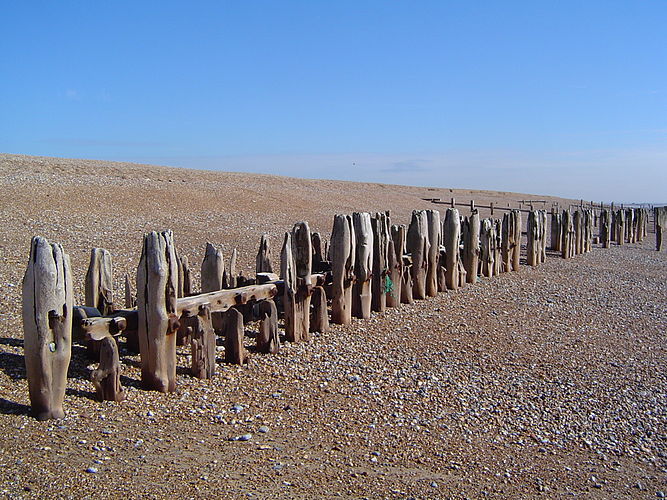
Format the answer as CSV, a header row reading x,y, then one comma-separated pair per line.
x,y
263,429
92,470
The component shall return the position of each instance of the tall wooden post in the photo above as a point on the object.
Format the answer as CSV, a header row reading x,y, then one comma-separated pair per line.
x,y
556,231
363,268
418,247
470,234
99,281
263,259
451,236
157,280
401,276
295,266
202,342
47,327
212,272
434,230
381,237
343,254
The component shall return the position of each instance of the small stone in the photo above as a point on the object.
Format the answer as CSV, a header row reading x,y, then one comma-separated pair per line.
x,y
434,484
353,378
263,429
660,494
149,413
92,470
237,408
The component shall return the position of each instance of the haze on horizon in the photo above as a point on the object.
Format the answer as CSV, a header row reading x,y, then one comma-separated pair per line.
x,y
565,98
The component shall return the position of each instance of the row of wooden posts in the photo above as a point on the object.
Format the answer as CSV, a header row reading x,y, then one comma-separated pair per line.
x,y
368,265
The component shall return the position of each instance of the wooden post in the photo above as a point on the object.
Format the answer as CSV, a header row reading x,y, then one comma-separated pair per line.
x,y
363,268
235,353
660,219
106,378
99,281
295,265
556,231
202,341
497,248
184,276
381,237
396,251
605,230
157,279
491,208
130,301
318,250
263,259
343,254
568,242
212,271
229,273
451,236
506,253
319,318
620,227
434,231
578,232
542,216
418,247
470,235
267,339
47,326
487,241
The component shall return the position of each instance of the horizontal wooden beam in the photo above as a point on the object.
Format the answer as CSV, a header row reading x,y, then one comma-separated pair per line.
x,y
223,300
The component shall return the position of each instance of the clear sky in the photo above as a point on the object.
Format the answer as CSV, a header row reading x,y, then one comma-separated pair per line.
x,y
549,97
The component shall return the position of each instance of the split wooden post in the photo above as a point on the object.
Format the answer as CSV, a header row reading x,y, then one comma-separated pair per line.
x,y
235,352
588,230
381,238
47,326
295,266
363,265
543,235
451,236
267,340
510,240
99,281
157,279
418,246
515,240
106,378
202,341
487,240
319,317
434,231
470,235
263,259
212,271
343,254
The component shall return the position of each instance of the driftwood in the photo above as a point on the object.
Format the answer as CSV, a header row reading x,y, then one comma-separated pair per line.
x,y
99,281
381,238
363,265
157,279
343,254
470,235
295,266
605,229
235,353
319,318
47,327
418,247
212,272
660,217
202,342
263,259
434,232
267,338
487,242
556,230
451,237
106,378
397,271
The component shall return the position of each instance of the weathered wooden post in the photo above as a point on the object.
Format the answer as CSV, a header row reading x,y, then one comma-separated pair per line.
x,y
106,378
506,254
543,235
418,247
212,271
532,239
487,240
660,218
229,272
184,277
578,233
157,280
620,227
263,259
47,326
99,281
202,342
451,236
568,244
498,247
470,235
235,352
434,232
381,238
588,230
318,250
605,230
295,264
397,270
319,318
343,253
267,339
556,230
363,267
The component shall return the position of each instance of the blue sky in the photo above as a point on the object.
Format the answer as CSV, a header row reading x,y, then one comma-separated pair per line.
x,y
565,98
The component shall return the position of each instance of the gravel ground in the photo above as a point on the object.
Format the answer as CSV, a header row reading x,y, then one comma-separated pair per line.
x,y
550,381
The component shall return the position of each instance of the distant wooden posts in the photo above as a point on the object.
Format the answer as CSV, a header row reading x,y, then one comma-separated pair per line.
x,y
363,265
395,265
418,247
106,378
157,281
487,240
235,353
343,254
470,234
434,234
451,237
202,341
381,237
568,245
295,265
267,339
263,259
99,281
47,325
660,217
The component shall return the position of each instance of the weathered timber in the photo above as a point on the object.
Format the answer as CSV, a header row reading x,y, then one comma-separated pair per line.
x,y
229,273
660,218
381,238
106,378
318,250
343,255
588,230
184,277
451,237
569,240
407,284
235,353
620,227
396,251
434,231
295,266
99,281
605,228
47,326
102,327
497,249
267,339
202,342
363,265
319,317
532,241
418,246
578,232
470,235
556,231
157,279
487,241
263,259
223,300
212,272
